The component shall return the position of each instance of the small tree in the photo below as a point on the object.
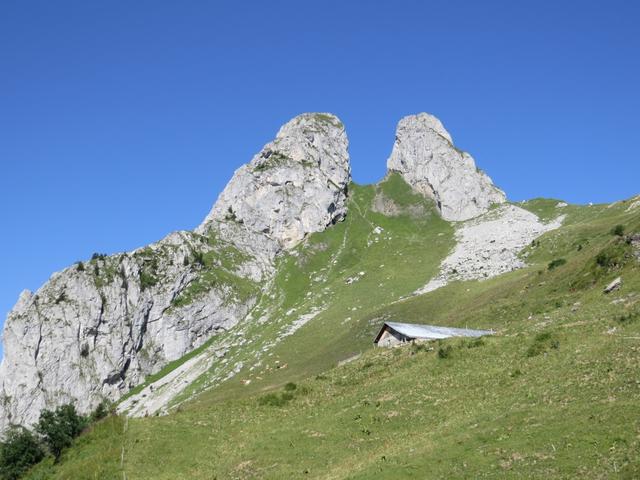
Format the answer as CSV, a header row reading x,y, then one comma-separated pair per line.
x,y
101,411
58,428
18,452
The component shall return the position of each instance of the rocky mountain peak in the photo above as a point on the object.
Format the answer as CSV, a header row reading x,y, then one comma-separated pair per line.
x,y
425,156
296,185
98,328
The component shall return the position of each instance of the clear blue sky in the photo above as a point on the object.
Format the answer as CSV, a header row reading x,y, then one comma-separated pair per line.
x,y
122,121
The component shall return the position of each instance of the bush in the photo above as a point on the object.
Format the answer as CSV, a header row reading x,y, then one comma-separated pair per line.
x,y
101,411
417,347
58,428
290,387
629,317
613,256
618,230
475,343
558,262
18,452
445,352
198,257
147,280
275,400
542,343
80,266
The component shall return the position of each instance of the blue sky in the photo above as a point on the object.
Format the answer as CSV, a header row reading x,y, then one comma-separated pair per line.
x,y
122,121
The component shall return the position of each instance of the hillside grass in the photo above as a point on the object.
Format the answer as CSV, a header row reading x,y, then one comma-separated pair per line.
x,y
554,394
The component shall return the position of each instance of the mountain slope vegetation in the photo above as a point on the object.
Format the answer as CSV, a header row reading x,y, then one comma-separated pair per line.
x,y
300,391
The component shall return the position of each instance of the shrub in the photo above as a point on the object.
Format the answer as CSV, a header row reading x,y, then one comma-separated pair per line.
x,y
417,347
58,428
198,257
101,411
275,400
80,266
98,256
556,263
612,256
542,343
290,387
475,343
18,452
147,280
618,230
629,317
445,352
230,215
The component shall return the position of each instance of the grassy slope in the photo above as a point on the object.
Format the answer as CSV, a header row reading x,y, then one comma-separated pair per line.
x,y
555,394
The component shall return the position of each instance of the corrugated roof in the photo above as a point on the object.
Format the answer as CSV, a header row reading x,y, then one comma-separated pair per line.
x,y
433,332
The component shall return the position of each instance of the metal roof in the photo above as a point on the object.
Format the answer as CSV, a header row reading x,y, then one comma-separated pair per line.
x,y
432,332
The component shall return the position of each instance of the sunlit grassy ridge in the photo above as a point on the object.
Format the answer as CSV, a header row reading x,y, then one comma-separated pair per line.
x,y
555,394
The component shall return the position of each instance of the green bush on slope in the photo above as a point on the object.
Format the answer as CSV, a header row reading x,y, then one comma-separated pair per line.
x,y
18,452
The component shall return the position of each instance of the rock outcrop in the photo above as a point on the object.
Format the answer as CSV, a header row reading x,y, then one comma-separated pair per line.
x,y
97,328
424,154
296,185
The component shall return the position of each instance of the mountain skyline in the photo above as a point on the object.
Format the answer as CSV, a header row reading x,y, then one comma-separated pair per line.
x,y
123,124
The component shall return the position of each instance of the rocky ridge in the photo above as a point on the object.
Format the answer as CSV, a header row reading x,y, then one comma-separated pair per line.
x,y
296,185
98,328
424,154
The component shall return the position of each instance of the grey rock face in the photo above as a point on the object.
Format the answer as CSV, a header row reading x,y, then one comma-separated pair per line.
x,y
94,331
424,154
296,185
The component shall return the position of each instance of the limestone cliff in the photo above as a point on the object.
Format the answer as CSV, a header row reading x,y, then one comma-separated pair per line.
x,y
97,328
424,154
297,184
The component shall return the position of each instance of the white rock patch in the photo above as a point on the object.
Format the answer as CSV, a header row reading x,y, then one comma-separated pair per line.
x,y
635,204
489,245
156,396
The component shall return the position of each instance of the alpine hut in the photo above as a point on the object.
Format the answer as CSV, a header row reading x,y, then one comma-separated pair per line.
x,y
394,333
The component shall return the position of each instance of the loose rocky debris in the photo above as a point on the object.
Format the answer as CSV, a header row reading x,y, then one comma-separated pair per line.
x,y
354,278
634,240
490,245
155,397
634,204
